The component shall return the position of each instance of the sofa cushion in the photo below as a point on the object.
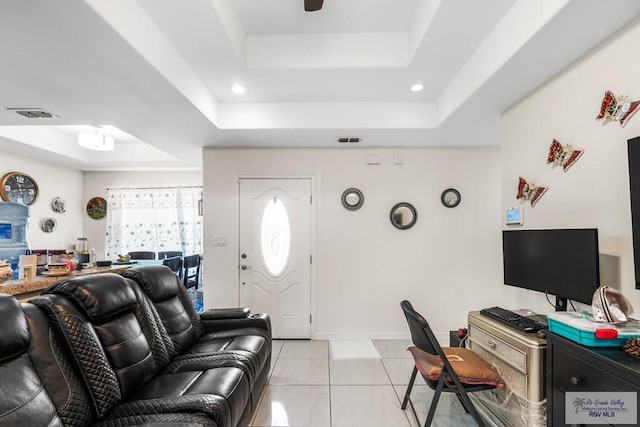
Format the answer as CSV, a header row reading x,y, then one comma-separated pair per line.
x,y
171,301
229,383
56,370
100,296
23,398
14,338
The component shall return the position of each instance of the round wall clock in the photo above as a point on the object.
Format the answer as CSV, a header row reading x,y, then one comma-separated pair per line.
x,y
450,197
18,187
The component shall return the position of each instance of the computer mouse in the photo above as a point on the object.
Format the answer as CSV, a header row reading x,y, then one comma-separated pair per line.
x,y
542,333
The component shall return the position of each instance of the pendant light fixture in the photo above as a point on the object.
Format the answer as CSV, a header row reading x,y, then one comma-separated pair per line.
x,y
95,140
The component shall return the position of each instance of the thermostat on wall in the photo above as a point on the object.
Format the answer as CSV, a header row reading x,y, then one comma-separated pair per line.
x,y
514,216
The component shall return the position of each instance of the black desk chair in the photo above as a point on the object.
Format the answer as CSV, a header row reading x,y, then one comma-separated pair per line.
x,y
169,254
142,255
191,271
174,263
450,369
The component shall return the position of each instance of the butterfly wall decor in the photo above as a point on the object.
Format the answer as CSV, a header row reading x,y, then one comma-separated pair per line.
x,y
529,191
617,109
563,155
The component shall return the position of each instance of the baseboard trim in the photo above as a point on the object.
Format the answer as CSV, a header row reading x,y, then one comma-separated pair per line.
x,y
443,337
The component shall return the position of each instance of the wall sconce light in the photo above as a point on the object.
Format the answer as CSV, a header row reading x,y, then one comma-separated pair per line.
x,y
95,140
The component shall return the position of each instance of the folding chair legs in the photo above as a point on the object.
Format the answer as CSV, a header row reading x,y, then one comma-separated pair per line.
x,y
462,396
434,402
470,408
409,388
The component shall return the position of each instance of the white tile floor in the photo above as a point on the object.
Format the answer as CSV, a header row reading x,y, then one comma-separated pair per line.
x,y
308,389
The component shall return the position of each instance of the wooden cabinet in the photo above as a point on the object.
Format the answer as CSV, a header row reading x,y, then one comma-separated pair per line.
x,y
572,367
520,359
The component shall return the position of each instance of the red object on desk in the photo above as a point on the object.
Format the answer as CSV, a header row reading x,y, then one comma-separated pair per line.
x,y
606,333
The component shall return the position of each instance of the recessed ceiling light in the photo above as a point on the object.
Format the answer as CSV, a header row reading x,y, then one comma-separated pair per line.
x,y
417,87
239,89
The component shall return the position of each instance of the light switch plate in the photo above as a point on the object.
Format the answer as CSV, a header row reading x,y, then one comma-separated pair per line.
x,y
219,241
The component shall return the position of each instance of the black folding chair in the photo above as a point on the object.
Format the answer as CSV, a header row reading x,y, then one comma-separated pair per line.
x,y
427,353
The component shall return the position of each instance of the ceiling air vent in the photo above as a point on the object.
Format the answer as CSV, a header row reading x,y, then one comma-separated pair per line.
x,y
33,113
349,139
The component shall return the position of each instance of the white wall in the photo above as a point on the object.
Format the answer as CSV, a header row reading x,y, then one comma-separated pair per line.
x,y
448,264
595,191
96,184
53,181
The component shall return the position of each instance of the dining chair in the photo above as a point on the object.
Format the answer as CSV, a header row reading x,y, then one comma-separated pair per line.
x,y
169,254
191,271
174,263
449,369
142,255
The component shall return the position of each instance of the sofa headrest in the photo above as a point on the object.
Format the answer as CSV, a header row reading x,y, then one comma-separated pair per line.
x,y
14,334
158,281
100,296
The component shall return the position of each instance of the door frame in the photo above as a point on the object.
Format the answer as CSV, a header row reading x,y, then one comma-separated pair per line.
x,y
313,177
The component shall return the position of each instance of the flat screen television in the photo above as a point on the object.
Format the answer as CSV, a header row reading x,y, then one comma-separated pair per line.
x,y
561,262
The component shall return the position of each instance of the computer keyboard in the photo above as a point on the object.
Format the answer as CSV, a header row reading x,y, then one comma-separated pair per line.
x,y
512,319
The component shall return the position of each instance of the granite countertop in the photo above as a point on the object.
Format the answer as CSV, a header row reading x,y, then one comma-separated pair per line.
x,y
17,287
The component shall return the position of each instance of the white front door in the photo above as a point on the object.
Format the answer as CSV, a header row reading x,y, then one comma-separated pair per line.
x,y
275,253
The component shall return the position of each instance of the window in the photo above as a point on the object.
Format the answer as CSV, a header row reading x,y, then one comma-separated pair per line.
x,y
275,235
153,219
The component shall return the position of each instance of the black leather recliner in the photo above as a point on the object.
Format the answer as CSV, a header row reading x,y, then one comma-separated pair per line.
x,y
132,364
40,386
220,337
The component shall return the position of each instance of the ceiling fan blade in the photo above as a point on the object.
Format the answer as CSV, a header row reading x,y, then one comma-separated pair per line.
x,y
312,5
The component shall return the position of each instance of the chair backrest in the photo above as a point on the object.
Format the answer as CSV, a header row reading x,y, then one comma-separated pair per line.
x,y
191,270
38,385
421,333
169,254
174,263
171,301
142,255
103,322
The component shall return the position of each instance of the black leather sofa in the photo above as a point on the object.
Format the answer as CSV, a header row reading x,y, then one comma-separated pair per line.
x,y
109,350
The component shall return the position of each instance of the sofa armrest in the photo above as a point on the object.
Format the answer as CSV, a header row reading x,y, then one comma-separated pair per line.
x,y
160,420
214,407
258,320
225,313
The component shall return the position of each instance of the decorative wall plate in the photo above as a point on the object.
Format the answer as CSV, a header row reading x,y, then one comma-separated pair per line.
x,y
450,197
59,205
48,225
97,208
352,199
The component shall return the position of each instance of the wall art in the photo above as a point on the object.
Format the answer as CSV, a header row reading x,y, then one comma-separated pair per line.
x,y
618,109
529,191
97,208
563,155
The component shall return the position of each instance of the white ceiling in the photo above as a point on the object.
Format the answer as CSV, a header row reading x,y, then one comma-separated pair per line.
x,y
160,72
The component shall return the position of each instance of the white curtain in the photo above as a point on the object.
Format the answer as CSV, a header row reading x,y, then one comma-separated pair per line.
x,y
153,219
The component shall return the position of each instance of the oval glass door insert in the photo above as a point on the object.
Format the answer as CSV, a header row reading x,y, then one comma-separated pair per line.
x,y
275,235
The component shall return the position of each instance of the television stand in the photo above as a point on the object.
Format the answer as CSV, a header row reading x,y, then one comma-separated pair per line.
x,y
520,359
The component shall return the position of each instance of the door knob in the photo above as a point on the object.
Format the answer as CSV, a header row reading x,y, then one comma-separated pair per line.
x,y
244,267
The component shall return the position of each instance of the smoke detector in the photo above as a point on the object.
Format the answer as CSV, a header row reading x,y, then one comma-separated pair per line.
x,y
33,113
349,139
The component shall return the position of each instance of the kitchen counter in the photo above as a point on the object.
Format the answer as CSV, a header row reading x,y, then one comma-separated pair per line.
x,y
28,288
